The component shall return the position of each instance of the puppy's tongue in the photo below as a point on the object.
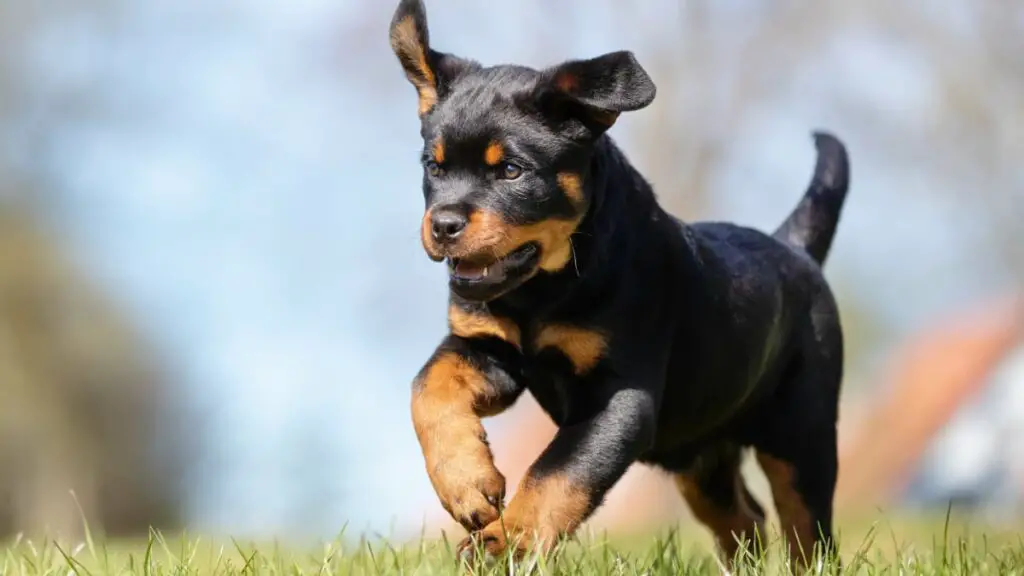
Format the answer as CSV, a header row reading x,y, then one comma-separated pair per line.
x,y
471,271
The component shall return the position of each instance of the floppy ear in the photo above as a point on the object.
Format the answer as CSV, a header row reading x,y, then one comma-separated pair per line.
x,y
429,71
598,90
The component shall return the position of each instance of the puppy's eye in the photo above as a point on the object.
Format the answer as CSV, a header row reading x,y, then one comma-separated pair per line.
x,y
510,171
433,169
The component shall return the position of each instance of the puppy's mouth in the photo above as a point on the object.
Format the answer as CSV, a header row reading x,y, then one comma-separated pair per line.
x,y
486,278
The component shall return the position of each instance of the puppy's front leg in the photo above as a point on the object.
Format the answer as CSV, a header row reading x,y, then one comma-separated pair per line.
x,y
465,380
571,477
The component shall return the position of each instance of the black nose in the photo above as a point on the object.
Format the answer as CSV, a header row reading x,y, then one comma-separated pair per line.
x,y
446,224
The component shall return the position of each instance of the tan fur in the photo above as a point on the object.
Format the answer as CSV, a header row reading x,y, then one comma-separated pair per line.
x,y
794,516
725,525
494,153
474,325
446,410
583,347
439,151
541,513
572,185
406,43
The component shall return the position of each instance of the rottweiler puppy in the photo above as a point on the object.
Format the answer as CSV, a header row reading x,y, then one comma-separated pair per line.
x,y
644,338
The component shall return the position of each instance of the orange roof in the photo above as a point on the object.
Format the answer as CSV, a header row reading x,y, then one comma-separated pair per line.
x,y
939,369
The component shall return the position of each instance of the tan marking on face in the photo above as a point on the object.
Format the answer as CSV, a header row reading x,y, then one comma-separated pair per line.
x,y
487,236
794,515
439,151
494,153
572,185
405,41
476,325
583,347
567,82
488,232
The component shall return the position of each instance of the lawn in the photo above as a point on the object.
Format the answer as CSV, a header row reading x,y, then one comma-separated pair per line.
x,y
920,546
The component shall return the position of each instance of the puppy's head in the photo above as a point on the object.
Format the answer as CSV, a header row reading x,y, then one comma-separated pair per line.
x,y
505,154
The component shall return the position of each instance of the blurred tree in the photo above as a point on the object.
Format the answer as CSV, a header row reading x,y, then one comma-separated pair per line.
x,y
81,403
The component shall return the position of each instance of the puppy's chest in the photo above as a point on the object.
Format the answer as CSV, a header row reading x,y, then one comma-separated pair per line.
x,y
559,360
563,347
575,347
559,357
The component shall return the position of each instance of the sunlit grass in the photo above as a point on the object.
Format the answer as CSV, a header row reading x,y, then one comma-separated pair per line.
x,y
921,546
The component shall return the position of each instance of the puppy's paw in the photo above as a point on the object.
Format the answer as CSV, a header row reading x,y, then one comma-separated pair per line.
x,y
471,490
498,542
487,547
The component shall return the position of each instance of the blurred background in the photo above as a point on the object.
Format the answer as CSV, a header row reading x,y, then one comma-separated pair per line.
x,y
213,298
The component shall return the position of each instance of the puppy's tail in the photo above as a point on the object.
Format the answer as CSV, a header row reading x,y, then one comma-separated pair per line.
x,y
812,225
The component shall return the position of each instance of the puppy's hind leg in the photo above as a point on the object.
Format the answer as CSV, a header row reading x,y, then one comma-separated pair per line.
x,y
802,488
718,497
797,447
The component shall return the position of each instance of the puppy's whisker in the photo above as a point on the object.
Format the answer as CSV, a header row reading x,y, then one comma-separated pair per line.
x,y
575,263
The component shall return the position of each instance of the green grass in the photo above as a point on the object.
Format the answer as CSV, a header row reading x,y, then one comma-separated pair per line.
x,y
939,546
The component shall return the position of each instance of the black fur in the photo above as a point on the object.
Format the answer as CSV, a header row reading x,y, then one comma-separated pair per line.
x,y
719,336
